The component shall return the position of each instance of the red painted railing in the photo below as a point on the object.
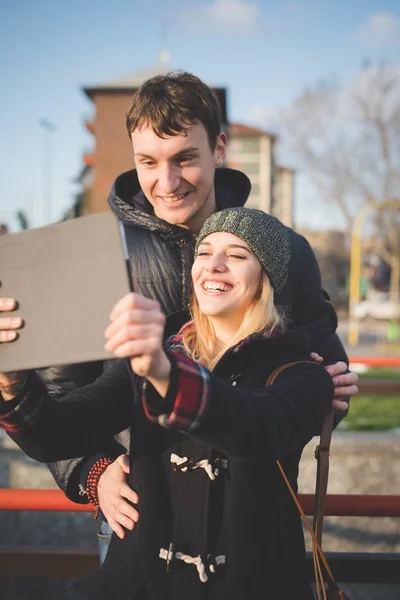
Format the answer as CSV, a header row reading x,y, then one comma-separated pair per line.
x,y
355,505
376,361
40,500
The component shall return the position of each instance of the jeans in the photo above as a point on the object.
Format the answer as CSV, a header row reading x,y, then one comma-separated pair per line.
x,y
104,537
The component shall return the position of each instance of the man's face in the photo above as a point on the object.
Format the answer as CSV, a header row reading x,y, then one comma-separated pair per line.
x,y
176,173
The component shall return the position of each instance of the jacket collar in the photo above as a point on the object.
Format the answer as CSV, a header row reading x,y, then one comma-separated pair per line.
x,y
130,205
294,342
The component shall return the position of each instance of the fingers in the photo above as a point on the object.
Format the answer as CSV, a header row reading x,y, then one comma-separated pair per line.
x,y
345,379
118,530
115,496
345,385
8,336
348,378
133,301
127,492
118,519
125,510
137,326
10,324
337,368
128,333
316,357
340,405
8,327
7,304
112,487
122,514
141,365
136,347
346,391
123,462
134,317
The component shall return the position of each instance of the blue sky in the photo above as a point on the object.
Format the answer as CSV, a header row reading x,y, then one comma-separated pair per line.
x,y
264,51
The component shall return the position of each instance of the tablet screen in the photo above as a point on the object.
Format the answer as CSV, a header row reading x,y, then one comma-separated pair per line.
x,y
66,278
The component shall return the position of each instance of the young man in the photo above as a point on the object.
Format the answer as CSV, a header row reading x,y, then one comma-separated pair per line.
x,y
174,124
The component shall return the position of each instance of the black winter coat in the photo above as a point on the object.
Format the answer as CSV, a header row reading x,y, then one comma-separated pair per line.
x,y
161,257
245,514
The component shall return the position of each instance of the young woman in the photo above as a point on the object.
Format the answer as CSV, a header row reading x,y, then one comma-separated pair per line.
x,y
216,518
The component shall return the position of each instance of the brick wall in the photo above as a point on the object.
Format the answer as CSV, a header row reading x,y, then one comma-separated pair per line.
x,y
113,151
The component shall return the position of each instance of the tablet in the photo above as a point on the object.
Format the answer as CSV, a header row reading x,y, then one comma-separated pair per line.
x,y
66,278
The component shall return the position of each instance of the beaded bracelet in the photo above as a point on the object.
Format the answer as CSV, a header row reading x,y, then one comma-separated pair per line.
x,y
14,385
92,482
5,386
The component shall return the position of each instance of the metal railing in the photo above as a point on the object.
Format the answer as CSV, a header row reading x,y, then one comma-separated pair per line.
x,y
30,561
337,505
376,361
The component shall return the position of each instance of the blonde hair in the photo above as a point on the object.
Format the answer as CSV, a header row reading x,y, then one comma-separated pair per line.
x,y
200,341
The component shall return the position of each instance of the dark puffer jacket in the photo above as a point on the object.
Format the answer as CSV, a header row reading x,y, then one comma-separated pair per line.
x,y
161,257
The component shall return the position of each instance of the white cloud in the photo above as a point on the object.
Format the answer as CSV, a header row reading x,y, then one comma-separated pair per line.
x,y
381,28
224,16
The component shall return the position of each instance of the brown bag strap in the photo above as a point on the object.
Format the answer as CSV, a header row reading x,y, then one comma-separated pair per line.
x,y
322,456
275,374
307,524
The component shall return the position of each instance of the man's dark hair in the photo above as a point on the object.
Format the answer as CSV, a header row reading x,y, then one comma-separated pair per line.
x,y
171,103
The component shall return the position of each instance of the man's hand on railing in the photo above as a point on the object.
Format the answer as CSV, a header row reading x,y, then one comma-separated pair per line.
x,y
114,493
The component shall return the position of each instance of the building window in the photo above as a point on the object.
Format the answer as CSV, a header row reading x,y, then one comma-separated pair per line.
x,y
251,144
251,168
245,144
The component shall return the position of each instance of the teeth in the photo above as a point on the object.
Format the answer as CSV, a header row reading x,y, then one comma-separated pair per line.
x,y
216,286
175,198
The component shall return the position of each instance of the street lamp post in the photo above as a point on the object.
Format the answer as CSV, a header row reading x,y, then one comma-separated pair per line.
x,y
48,129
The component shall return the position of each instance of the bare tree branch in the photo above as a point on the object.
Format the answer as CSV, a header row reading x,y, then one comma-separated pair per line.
x,y
348,142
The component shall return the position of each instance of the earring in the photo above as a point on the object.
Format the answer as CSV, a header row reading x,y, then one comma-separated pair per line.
x,y
218,163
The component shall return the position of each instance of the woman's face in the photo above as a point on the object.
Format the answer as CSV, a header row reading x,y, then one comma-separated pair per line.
x,y
226,276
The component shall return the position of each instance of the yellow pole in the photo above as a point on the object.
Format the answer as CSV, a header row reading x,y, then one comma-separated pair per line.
x,y
354,291
355,268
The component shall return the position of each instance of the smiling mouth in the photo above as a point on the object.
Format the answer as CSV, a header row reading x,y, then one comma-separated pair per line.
x,y
174,199
216,287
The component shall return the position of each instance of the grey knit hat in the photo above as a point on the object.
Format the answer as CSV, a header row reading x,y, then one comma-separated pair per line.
x,y
265,235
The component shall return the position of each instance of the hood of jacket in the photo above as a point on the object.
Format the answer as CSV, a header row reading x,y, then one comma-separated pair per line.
x,y
130,205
